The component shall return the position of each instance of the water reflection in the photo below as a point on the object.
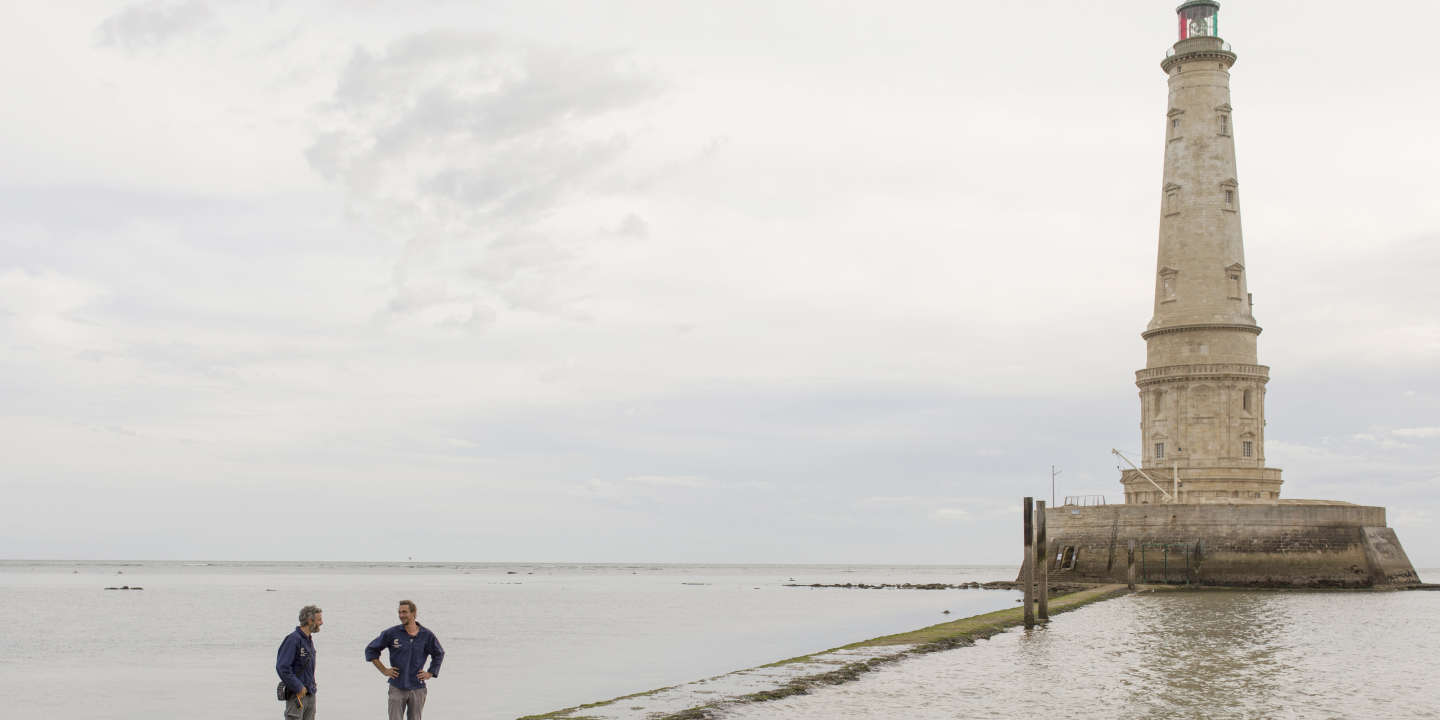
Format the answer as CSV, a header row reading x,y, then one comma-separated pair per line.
x,y
1211,654
1199,651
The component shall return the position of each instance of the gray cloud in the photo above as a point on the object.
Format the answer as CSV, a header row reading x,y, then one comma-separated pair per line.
x,y
462,145
152,24
633,226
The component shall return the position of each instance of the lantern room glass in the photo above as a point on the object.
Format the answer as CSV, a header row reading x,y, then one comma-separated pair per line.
x,y
1199,18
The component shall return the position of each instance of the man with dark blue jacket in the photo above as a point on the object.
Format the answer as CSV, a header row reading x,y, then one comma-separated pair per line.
x,y
409,643
295,664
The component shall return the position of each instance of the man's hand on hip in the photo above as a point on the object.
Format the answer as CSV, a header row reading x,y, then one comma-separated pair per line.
x,y
423,675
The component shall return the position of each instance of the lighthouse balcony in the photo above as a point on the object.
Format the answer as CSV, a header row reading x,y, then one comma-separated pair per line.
x,y
1198,48
1202,485
1209,371
1198,44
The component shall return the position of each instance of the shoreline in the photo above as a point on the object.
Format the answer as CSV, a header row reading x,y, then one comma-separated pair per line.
x,y
795,676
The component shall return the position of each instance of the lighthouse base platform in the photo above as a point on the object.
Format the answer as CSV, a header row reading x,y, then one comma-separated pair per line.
x,y
1285,543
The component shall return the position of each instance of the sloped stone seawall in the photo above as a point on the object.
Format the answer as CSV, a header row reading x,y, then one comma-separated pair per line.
x,y
1247,545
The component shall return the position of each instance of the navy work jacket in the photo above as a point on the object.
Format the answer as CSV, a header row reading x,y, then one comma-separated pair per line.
x,y
295,662
407,654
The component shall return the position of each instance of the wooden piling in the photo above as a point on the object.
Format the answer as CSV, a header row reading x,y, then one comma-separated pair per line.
x,y
1027,570
1042,559
1130,567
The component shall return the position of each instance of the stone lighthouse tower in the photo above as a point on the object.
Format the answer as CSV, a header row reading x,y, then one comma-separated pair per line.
x,y
1202,392
1201,507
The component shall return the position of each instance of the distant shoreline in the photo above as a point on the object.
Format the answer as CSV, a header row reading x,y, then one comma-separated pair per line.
x,y
487,563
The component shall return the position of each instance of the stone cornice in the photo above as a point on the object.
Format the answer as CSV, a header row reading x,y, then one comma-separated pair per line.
x,y
1199,326
1224,56
1209,371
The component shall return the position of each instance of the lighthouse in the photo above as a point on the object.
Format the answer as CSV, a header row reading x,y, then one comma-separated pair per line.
x,y
1201,507
1202,391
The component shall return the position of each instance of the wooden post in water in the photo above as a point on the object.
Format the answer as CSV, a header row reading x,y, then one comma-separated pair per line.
x,y
1042,559
1130,567
1027,570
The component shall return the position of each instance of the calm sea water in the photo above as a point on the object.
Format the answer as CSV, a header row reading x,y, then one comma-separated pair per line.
x,y
200,639
1211,655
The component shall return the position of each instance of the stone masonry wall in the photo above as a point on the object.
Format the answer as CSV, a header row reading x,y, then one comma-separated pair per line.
x,y
1243,545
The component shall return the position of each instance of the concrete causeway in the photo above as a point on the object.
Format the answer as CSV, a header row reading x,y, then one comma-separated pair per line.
x,y
708,698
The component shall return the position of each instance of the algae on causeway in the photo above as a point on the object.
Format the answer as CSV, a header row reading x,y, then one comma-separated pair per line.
x,y
944,636
991,623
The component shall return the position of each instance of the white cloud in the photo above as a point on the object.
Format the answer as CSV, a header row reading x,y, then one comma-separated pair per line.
x,y
152,24
1418,432
1406,518
938,509
43,293
949,514
681,481
46,307
890,500
1380,440
638,489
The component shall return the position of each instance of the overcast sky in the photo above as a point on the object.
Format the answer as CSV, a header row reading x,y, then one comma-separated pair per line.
x,y
646,280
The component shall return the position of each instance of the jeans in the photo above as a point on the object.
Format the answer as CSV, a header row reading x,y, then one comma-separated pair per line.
x,y
402,700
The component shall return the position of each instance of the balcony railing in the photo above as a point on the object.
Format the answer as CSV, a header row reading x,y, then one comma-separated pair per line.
x,y
1170,52
1256,371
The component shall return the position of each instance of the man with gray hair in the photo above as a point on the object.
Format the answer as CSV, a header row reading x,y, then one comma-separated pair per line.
x,y
408,643
295,664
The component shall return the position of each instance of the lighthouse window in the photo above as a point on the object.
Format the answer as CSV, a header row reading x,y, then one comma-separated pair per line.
x,y
1229,198
1167,283
1172,199
1174,116
1245,402
1160,451
1247,448
1224,124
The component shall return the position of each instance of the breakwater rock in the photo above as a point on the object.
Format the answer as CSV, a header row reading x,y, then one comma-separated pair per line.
x,y
1055,588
